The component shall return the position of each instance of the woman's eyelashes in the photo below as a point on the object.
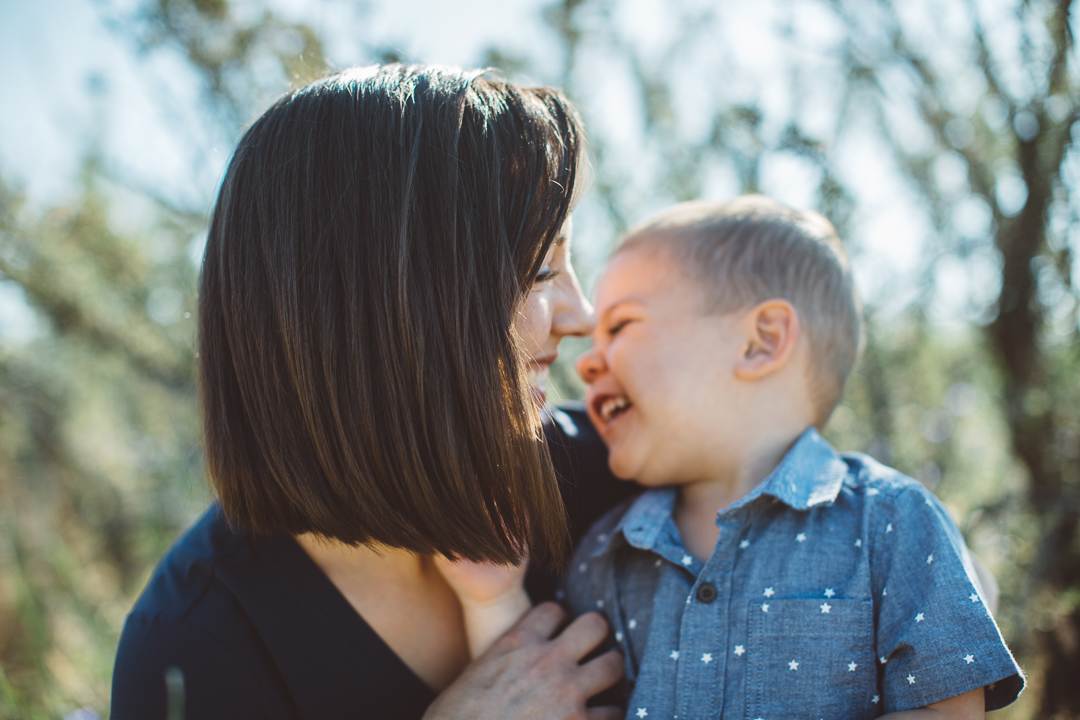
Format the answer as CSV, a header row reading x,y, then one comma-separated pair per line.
x,y
546,274
614,328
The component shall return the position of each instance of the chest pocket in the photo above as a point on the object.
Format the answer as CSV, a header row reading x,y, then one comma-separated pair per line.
x,y
811,658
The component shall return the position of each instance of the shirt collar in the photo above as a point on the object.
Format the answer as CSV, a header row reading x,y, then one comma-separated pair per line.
x,y
810,474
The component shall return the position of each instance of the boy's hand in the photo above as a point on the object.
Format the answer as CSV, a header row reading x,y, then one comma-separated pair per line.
x,y
481,583
492,598
969,706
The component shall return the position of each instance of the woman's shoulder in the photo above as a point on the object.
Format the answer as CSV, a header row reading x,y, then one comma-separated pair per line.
x,y
254,629
580,459
568,424
588,487
181,580
188,638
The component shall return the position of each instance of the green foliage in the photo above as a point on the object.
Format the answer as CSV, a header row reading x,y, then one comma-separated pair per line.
x,y
100,458
99,442
99,449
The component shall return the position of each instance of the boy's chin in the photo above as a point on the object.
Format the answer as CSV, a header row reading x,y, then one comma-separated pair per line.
x,y
622,467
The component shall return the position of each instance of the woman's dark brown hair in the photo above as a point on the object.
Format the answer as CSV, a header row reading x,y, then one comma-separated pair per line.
x,y
375,234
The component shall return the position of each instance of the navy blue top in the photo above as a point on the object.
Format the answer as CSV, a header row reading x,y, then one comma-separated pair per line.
x,y
258,631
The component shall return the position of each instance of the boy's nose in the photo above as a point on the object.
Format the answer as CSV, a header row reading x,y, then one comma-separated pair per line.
x,y
590,366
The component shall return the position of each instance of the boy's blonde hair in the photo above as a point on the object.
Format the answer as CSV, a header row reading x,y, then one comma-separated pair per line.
x,y
751,249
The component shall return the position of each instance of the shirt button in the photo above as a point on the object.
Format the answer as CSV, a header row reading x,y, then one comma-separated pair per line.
x,y
706,593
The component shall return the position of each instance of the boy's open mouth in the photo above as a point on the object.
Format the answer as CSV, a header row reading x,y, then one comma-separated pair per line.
x,y
609,407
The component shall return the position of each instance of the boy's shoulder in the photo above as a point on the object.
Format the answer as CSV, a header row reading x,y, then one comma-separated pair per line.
x,y
874,479
887,491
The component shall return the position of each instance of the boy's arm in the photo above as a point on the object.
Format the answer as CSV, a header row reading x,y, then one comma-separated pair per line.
x,y
492,598
969,706
934,635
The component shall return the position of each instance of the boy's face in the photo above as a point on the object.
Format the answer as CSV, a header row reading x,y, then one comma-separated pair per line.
x,y
661,388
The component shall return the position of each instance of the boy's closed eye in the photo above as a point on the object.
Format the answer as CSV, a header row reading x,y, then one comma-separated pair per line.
x,y
615,327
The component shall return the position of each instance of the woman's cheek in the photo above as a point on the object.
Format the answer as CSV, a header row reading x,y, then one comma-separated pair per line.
x,y
534,323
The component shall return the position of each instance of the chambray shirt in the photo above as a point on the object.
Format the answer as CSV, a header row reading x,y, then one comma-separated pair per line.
x,y
838,588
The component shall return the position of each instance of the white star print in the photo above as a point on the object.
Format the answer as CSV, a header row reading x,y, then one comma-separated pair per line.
x,y
858,542
851,666
632,624
674,655
768,592
974,597
706,658
601,538
884,592
686,560
582,567
801,537
559,594
910,679
618,637
888,528
829,592
642,712
825,608
793,665
739,650
930,558
764,607
875,699
599,603
883,659
744,544
919,618
969,659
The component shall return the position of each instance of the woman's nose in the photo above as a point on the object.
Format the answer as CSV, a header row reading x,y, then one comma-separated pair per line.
x,y
573,314
590,366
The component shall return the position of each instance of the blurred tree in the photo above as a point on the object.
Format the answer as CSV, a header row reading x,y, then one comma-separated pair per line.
x,y
1017,149
980,123
100,464
964,109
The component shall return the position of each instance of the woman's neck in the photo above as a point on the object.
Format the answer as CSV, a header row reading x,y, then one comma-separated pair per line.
x,y
404,599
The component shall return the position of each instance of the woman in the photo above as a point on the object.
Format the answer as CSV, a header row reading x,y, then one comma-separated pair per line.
x,y
388,258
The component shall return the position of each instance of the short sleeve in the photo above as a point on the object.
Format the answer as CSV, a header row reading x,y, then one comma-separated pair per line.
x,y
214,684
936,639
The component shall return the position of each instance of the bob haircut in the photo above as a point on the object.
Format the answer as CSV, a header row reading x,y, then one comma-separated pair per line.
x,y
375,234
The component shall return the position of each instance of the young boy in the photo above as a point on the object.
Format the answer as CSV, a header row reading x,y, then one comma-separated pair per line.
x,y
762,575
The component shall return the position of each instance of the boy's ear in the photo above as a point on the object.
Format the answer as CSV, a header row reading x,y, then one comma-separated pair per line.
x,y
771,330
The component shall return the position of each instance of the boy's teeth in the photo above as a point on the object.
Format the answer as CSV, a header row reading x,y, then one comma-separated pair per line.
x,y
612,407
